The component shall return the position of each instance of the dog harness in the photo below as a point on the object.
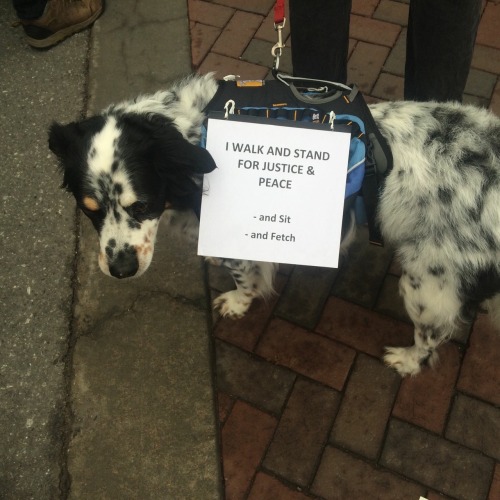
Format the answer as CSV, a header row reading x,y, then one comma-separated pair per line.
x,y
342,107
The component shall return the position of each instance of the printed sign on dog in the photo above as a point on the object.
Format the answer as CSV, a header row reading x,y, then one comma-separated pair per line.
x,y
277,194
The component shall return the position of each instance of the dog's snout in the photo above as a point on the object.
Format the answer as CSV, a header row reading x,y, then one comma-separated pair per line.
x,y
125,264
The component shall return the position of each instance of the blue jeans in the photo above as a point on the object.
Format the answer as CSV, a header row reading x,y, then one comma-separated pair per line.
x,y
440,43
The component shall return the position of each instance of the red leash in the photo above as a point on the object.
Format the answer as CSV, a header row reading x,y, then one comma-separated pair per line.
x,y
279,12
279,23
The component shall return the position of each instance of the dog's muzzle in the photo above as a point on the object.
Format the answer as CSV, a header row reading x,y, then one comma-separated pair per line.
x,y
124,264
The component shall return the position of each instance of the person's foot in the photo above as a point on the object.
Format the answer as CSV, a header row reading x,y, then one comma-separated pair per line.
x,y
61,19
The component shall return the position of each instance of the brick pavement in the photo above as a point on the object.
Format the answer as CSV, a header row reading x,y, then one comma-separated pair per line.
x,y
306,408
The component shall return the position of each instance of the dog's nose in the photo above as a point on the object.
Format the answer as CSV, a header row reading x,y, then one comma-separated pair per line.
x,y
125,264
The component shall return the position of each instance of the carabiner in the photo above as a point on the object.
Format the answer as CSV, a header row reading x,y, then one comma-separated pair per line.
x,y
279,45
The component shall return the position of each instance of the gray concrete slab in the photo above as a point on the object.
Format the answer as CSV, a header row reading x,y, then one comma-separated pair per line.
x,y
144,422
105,386
36,259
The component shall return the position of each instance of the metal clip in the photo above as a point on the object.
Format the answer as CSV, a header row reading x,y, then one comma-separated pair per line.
x,y
332,120
276,51
229,108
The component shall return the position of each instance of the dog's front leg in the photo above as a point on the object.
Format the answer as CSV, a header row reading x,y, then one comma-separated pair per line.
x,y
252,279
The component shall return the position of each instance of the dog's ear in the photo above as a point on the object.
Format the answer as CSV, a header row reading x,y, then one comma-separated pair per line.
x,y
182,154
66,139
60,138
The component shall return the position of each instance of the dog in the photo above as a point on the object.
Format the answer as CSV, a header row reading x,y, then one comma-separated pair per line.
x,y
439,207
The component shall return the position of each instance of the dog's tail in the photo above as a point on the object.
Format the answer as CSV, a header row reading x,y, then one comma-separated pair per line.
x,y
195,91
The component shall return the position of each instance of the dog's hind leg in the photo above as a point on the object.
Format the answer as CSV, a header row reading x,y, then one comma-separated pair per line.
x,y
253,279
434,308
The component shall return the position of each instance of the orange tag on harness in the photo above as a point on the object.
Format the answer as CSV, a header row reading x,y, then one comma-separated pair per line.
x,y
250,83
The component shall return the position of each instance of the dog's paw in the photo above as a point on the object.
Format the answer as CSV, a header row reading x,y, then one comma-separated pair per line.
x,y
403,359
232,304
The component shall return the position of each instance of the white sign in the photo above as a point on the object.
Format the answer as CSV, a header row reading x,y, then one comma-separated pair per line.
x,y
277,194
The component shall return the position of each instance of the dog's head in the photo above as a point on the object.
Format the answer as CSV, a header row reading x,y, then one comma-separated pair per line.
x,y
124,170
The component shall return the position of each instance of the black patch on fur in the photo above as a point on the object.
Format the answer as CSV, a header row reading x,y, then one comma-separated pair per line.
x,y
445,195
415,283
436,270
133,224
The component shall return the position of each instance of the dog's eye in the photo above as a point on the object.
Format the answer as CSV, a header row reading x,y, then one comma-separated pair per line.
x,y
138,209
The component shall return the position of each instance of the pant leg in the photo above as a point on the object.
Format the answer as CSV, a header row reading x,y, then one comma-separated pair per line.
x,y
440,43
29,9
320,38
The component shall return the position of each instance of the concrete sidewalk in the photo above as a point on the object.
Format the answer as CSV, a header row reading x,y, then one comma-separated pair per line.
x,y
105,387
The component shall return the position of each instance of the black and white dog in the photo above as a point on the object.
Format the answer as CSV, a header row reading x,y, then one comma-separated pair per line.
x,y
440,207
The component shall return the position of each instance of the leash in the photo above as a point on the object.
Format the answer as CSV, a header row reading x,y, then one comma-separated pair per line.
x,y
279,24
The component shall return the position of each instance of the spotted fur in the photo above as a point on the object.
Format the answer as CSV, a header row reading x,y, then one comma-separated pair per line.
x,y
439,208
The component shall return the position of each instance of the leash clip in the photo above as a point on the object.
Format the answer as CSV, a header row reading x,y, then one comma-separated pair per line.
x,y
229,108
278,47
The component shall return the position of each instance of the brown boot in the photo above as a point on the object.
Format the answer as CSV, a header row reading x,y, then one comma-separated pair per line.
x,y
61,18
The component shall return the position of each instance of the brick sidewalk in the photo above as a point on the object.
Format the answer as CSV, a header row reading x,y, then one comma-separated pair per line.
x,y
307,409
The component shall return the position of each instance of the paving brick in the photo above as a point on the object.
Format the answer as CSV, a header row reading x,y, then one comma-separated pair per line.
x,y
495,100
209,13
389,87
259,52
486,58
487,34
480,374
395,63
364,7
373,31
365,64
202,39
432,495
360,278
266,487
342,476
245,332
392,12
224,405
302,432
237,34
223,66
444,466
305,295
480,83
258,6
480,102
475,424
366,406
245,437
305,352
362,329
495,485
254,380
425,400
